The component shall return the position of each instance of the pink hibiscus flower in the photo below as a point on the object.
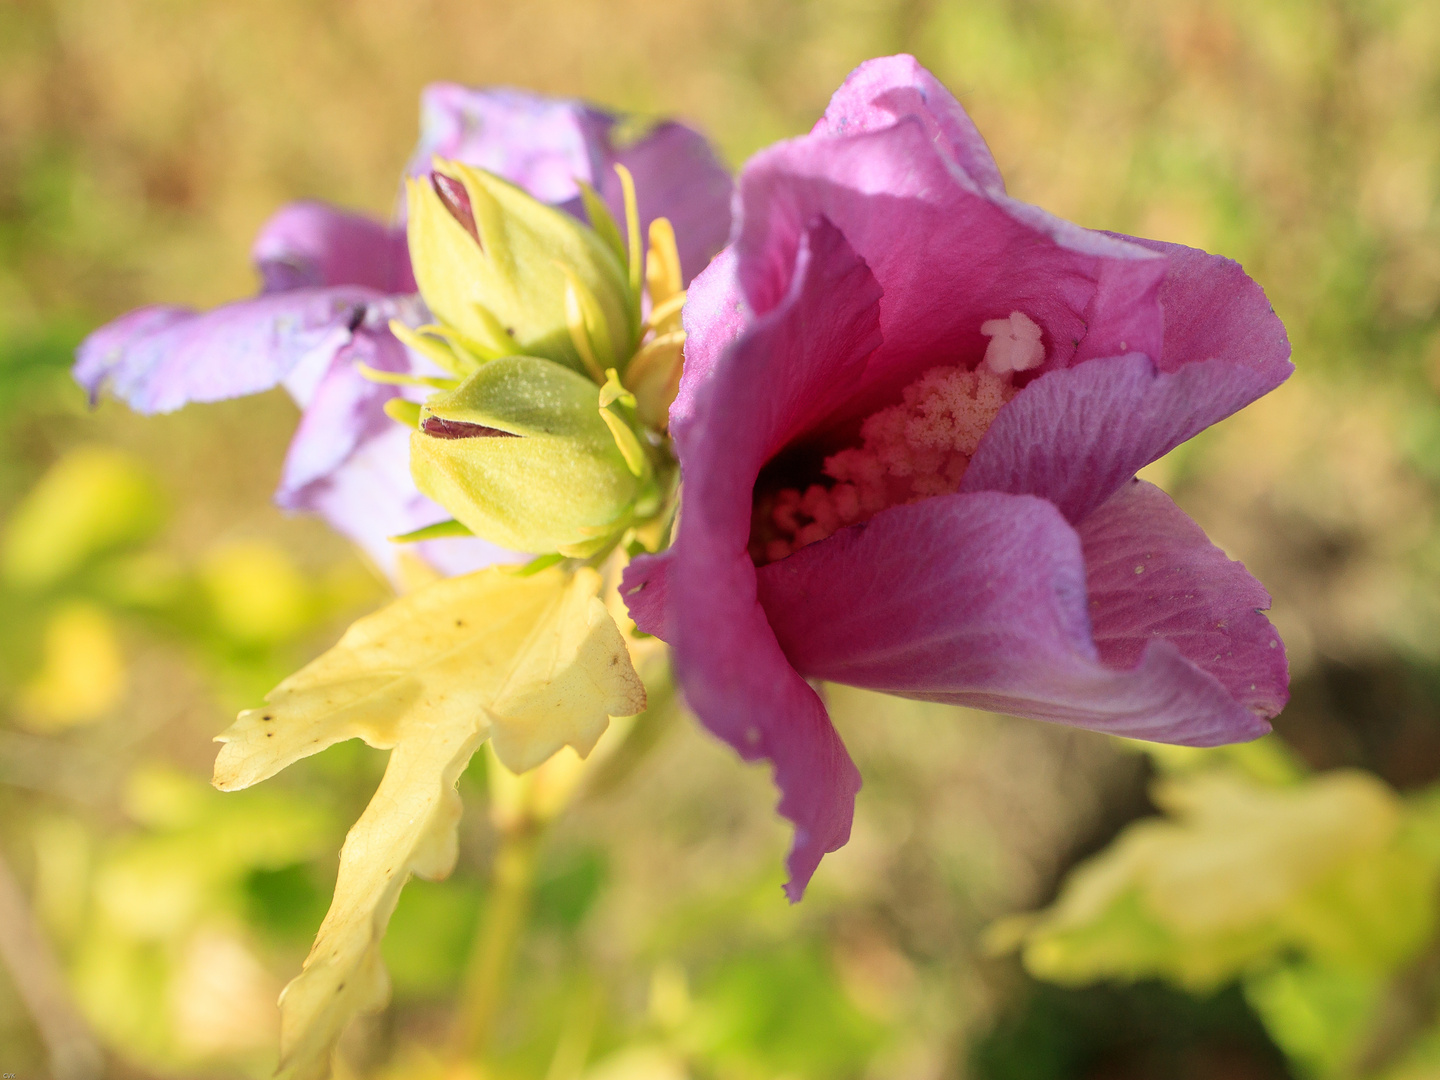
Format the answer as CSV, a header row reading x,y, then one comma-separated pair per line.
x,y
910,421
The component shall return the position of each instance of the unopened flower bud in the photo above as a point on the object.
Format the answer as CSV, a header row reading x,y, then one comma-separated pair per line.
x,y
521,456
495,264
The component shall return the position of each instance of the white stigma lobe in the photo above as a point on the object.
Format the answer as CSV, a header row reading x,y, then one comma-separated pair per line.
x,y
1014,343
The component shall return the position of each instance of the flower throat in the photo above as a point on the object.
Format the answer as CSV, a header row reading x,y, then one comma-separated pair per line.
x,y
911,451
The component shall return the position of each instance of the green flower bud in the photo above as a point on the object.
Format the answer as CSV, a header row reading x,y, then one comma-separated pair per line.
x,y
506,272
520,454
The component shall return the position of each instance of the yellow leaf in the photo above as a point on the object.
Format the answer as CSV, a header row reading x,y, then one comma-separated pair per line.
x,y
1237,873
534,662
82,675
92,501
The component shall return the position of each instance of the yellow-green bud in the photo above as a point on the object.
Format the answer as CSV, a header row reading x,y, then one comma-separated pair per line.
x,y
495,265
520,455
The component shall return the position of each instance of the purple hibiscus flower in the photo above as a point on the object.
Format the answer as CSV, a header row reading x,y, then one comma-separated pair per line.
x,y
333,280
909,425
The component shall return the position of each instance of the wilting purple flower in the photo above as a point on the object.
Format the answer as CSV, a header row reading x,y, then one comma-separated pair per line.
x,y
333,280
909,425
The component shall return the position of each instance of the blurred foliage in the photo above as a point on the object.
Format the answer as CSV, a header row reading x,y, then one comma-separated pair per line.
x,y
147,593
1317,893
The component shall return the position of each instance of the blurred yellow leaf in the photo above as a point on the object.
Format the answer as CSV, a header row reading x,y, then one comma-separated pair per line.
x,y
1241,851
196,845
640,1063
1238,873
255,591
1317,1014
535,663
92,500
82,672
158,964
222,1000
1268,760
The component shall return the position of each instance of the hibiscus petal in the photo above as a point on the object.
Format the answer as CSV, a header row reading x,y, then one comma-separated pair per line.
x,y
715,313
980,600
157,359
881,91
1075,436
370,497
107,349
1153,573
542,144
310,244
677,176
350,463
1214,310
344,409
949,255
788,367
645,587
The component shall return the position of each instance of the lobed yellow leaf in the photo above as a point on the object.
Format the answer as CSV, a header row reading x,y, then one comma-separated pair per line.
x,y
534,662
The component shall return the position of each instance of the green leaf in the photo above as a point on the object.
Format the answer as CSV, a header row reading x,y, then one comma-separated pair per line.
x,y
534,663
1317,1014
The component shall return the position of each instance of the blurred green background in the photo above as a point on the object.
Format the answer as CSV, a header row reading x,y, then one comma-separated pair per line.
x,y
1266,912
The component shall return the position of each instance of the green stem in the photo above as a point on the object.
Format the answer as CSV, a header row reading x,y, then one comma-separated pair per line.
x,y
496,940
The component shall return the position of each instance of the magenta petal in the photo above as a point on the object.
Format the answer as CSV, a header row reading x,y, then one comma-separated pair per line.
x,y
948,255
1213,310
715,313
881,91
542,144
157,359
312,244
677,176
791,365
1075,436
980,600
645,589
1153,573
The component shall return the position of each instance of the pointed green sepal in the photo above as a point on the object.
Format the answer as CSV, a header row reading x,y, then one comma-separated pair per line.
x,y
535,565
625,440
438,531
603,222
449,355
403,412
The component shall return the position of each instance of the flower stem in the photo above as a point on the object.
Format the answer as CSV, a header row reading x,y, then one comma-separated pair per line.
x,y
496,940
